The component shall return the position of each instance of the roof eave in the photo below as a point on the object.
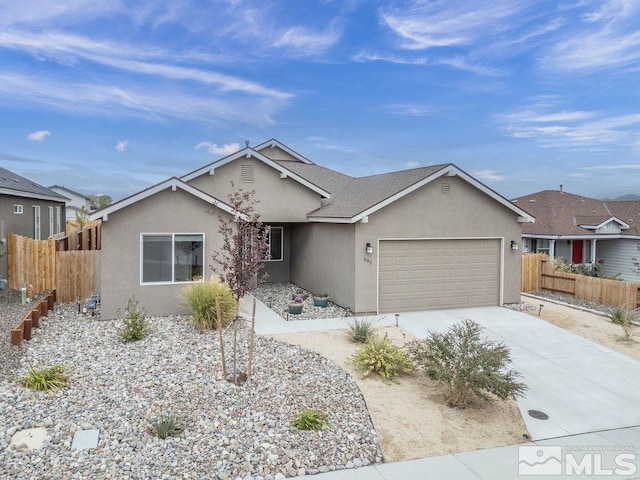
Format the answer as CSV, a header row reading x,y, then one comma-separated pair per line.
x,y
39,196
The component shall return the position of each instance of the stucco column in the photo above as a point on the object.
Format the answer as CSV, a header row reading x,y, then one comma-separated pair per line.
x,y
552,249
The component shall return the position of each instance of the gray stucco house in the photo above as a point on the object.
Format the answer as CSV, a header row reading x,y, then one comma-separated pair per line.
x,y
583,230
27,209
426,238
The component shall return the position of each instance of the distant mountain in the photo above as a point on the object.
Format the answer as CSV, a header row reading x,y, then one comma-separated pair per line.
x,y
628,196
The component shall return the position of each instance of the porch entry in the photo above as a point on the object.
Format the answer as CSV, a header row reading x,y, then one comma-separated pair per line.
x,y
577,251
421,274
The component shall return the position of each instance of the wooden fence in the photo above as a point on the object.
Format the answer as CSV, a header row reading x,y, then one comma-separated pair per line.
x,y
538,274
37,263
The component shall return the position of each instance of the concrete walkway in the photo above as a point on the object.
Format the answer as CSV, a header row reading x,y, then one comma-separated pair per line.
x,y
591,395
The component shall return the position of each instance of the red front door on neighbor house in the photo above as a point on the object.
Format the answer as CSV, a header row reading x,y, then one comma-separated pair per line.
x,y
576,254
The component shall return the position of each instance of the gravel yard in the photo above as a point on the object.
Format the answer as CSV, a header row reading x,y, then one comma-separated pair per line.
x,y
11,313
229,431
277,296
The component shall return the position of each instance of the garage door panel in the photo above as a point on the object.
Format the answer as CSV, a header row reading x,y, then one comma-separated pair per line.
x,y
434,274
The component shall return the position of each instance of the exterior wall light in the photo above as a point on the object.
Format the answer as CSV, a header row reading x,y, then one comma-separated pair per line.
x,y
514,245
369,248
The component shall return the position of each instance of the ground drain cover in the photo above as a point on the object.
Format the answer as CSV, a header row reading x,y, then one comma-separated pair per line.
x,y
538,414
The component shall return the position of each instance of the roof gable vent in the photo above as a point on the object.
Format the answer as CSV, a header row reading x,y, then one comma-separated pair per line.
x,y
445,188
246,173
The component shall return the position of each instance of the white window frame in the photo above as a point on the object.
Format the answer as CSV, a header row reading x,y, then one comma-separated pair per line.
x,y
173,256
18,209
58,219
36,222
51,232
281,259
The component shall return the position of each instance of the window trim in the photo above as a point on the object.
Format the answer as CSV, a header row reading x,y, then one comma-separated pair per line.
x,y
51,233
18,209
173,263
58,219
281,259
37,222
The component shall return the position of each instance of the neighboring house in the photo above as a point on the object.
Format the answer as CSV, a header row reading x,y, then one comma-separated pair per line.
x,y
427,238
75,203
584,230
27,209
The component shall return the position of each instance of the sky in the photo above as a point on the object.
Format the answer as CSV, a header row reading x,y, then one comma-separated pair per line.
x,y
110,97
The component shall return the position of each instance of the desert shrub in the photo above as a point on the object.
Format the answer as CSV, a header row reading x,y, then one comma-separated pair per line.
x,y
310,419
134,323
469,365
45,379
165,424
201,299
360,330
380,356
622,316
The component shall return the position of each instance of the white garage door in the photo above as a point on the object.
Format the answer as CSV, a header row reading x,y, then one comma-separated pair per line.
x,y
435,274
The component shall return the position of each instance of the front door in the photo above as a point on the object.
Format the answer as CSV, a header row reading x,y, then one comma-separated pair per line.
x,y
576,254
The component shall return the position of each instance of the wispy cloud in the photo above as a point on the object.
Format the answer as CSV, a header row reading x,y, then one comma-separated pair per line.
x,y
38,136
489,175
422,25
122,146
382,57
226,149
633,166
143,101
608,37
572,129
306,42
410,109
412,164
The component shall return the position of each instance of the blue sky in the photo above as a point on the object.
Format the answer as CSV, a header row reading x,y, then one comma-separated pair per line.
x,y
113,96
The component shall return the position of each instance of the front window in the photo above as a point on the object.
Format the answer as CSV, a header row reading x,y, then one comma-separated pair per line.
x,y
171,258
51,222
275,241
58,220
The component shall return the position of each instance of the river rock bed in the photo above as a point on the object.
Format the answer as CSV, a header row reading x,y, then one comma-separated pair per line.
x,y
229,431
278,295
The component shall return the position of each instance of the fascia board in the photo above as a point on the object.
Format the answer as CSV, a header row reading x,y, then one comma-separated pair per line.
x,y
38,196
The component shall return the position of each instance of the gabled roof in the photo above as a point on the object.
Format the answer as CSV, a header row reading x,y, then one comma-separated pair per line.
x,y
594,222
565,214
249,152
62,187
273,143
14,184
363,196
173,183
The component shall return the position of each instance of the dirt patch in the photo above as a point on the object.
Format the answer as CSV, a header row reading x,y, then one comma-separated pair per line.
x,y
593,327
411,417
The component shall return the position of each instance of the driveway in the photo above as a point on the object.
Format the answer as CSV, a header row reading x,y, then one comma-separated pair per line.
x,y
581,386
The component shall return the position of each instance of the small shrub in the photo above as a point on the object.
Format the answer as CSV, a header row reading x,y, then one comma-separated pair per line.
x,y
470,366
310,419
381,356
622,316
201,300
45,379
165,424
134,324
360,330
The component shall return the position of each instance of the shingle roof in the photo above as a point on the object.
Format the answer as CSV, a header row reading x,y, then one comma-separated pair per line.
x,y
629,212
363,193
561,213
21,185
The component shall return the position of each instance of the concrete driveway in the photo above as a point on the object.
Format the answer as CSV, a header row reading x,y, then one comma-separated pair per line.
x,y
582,386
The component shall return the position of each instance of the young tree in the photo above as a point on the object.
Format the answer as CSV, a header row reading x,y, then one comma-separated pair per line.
x,y
245,242
99,201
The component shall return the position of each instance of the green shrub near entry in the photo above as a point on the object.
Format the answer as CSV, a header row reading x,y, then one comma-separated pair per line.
x,y
201,299
45,379
468,364
135,325
379,355
310,419
361,329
